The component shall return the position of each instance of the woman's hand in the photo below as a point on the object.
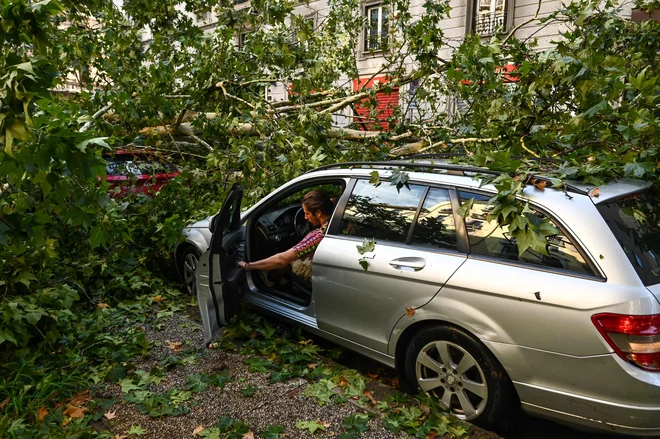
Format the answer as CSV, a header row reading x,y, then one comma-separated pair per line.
x,y
242,264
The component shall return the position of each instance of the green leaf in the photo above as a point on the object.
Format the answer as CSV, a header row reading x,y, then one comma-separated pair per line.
x,y
311,426
14,130
100,141
272,432
375,178
356,422
249,391
26,66
197,382
99,236
596,109
534,237
47,6
368,245
25,277
136,430
258,365
382,405
209,433
127,385
638,170
399,178
323,391
466,207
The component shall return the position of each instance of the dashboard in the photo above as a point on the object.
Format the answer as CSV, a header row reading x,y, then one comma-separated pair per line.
x,y
279,223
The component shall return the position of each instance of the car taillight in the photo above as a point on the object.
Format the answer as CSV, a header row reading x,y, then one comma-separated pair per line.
x,y
634,338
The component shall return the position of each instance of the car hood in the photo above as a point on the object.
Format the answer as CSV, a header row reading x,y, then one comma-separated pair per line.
x,y
206,222
201,224
655,290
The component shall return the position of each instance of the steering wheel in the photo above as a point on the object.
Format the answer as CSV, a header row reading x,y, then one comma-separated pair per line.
x,y
300,224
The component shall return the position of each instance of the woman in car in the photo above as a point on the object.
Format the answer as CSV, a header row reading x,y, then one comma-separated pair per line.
x,y
318,208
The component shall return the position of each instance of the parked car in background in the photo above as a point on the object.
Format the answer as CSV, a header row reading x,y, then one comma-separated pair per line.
x,y
137,171
572,334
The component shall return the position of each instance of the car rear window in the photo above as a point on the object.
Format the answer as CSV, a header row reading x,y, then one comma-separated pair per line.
x,y
635,222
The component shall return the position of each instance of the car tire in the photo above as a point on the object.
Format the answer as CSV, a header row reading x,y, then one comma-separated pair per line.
x,y
188,263
465,377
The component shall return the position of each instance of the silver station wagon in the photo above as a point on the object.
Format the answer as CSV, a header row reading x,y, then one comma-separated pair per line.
x,y
572,335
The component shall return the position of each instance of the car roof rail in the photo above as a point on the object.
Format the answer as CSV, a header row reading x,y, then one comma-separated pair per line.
x,y
451,155
405,164
452,169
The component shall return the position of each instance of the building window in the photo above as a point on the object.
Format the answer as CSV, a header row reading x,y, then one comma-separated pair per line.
x,y
308,27
375,35
387,102
204,17
490,16
242,39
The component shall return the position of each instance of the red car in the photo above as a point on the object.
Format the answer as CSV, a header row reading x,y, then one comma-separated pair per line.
x,y
137,171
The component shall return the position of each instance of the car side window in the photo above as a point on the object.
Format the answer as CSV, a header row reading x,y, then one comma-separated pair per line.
x,y
435,226
381,212
489,239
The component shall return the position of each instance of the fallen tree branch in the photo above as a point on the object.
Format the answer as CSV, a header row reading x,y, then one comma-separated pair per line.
x,y
179,119
188,131
433,146
247,129
95,116
401,136
221,86
256,81
179,152
423,145
522,143
310,105
175,126
408,149
575,148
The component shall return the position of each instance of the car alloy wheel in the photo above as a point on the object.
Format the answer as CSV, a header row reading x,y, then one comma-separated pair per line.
x,y
448,372
457,369
189,262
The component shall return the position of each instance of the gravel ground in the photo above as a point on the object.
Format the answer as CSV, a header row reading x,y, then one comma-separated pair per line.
x,y
281,404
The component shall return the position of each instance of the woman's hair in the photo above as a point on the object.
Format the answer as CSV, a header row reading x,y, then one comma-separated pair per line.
x,y
318,200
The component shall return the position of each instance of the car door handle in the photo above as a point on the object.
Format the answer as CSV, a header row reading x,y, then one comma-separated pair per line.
x,y
409,262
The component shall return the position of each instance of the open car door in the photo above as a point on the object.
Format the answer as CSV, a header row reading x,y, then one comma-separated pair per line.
x,y
219,280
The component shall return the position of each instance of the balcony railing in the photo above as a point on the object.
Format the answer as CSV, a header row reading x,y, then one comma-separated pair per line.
x,y
487,24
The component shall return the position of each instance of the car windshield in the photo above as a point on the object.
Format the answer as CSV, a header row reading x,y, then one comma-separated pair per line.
x,y
136,165
635,222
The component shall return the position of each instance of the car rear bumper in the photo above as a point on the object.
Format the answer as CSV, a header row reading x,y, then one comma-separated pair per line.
x,y
589,414
599,392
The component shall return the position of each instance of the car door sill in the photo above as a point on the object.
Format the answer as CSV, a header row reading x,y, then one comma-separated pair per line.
x,y
287,309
